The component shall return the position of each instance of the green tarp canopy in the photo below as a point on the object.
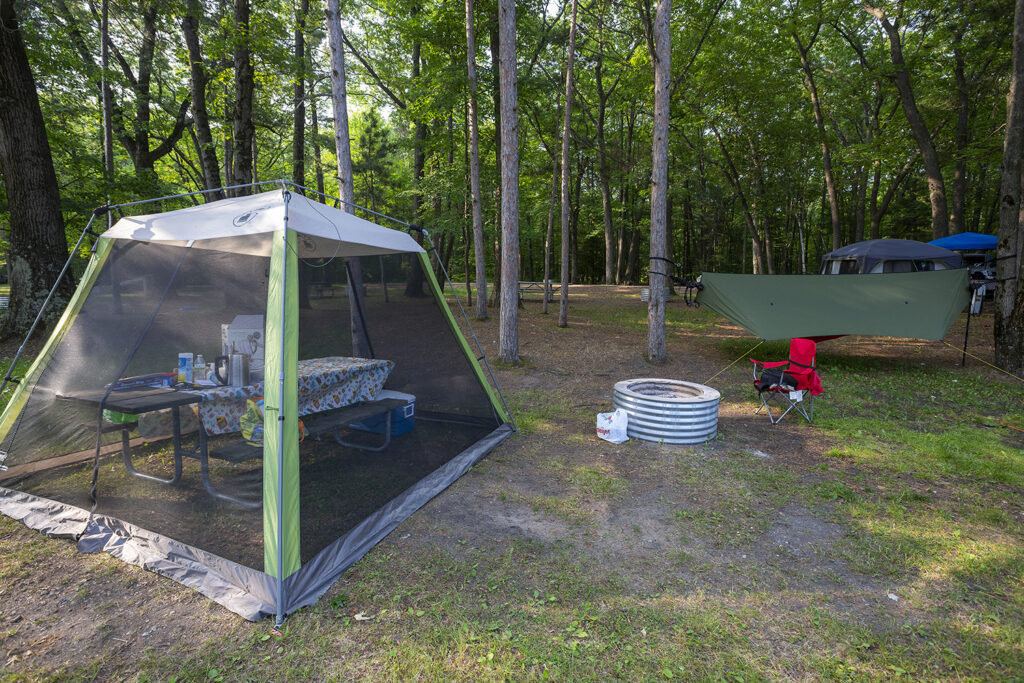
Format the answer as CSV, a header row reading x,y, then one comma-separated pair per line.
x,y
916,305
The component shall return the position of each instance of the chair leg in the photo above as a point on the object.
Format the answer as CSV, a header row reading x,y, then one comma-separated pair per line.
x,y
806,412
805,409
765,407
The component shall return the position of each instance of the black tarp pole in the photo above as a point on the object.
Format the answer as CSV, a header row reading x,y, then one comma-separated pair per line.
x,y
967,329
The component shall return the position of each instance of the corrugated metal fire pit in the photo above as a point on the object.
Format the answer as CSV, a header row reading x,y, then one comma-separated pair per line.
x,y
668,410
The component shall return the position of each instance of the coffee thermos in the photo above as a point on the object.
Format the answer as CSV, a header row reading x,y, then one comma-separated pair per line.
x,y
235,369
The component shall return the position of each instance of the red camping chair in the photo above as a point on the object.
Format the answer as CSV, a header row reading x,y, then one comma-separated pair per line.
x,y
794,383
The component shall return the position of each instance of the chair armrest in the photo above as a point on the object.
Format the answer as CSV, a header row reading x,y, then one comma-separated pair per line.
x,y
769,365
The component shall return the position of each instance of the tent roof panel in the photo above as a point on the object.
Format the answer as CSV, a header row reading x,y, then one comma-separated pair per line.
x,y
887,249
244,225
967,241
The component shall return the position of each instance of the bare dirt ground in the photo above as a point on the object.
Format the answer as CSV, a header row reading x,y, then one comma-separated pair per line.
x,y
617,509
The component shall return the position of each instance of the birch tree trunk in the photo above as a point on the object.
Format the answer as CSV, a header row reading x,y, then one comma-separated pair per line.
x,y
563,295
1009,303
299,97
474,168
38,247
656,351
346,189
508,326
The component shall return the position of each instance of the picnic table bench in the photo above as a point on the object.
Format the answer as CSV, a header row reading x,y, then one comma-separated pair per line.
x,y
538,288
330,422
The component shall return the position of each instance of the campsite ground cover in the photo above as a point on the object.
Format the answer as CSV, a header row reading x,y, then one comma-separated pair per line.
x,y
884,541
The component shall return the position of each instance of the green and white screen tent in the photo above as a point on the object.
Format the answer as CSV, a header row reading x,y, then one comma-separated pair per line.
x,y
261,530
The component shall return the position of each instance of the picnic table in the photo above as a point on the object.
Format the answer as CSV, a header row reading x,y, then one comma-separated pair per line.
x,y
324,384
526,287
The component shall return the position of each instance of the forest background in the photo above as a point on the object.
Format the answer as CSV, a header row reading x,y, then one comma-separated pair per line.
x,y
794,127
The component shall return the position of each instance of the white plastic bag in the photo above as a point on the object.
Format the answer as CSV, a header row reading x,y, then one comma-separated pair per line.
x,y
612,426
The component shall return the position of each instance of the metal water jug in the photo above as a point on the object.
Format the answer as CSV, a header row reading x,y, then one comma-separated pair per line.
x,y
236,369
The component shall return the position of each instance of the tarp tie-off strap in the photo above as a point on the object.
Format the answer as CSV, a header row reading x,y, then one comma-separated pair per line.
x,y
738,359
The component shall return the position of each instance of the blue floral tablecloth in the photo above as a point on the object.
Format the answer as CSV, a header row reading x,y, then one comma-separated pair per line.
x,y
324,383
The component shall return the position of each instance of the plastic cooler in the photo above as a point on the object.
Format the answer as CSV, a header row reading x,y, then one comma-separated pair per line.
x,y
402,418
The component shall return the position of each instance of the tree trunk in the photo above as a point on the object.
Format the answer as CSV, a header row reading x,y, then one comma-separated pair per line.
x,y
38,248
508,327
624,199
549,236
414,283
748,214
474,168
106,97
136,141
339,103
633,256
1009,303
496,94
656,350
244,133
957,223
603,171
199,79
574,223
299,97
860,191
318,163
932,166
496,249
563,298
346,188
826,153
979,195
467,211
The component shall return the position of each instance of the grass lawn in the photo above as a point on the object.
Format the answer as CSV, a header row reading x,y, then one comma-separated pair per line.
x,y
884,541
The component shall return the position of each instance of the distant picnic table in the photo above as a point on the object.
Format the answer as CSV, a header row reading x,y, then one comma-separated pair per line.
x,y
538,288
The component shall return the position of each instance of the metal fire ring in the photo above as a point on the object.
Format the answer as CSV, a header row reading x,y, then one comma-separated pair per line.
x,y
668,410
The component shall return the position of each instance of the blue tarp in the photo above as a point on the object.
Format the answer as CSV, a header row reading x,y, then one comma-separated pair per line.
x,y
967,241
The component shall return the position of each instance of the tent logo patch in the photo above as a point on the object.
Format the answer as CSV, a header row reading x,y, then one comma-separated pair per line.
x,y
245,217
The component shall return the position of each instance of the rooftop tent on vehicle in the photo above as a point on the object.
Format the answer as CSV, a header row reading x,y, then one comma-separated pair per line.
x,y
372,404
888,256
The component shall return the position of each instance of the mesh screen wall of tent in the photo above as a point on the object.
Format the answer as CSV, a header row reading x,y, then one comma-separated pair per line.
x,y
357,407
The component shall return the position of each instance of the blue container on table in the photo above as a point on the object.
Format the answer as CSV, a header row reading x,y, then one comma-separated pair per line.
x,y
402,417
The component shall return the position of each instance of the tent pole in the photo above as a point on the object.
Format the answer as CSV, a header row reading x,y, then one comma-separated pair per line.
x,y
967,329
280,424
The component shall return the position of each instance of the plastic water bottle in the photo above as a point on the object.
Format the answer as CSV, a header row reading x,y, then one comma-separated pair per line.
x,y
199,369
